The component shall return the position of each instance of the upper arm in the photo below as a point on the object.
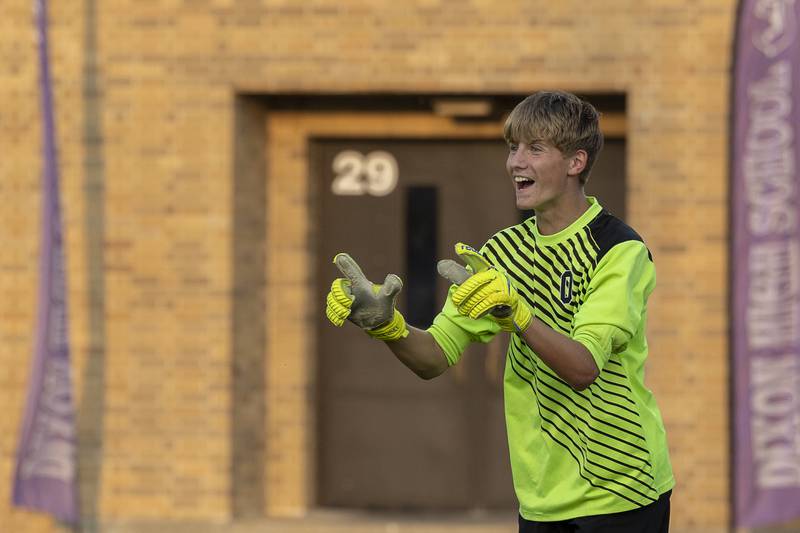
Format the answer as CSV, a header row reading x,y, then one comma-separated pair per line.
x,y
615,300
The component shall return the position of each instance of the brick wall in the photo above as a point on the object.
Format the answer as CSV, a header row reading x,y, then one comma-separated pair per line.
x,y
151,266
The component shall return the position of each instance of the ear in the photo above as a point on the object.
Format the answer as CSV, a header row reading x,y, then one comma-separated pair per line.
x,y
577,162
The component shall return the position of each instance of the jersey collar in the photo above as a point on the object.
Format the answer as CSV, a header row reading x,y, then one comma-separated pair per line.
x,y
594,209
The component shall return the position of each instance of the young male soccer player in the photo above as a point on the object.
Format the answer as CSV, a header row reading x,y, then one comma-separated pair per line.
x,y
587,443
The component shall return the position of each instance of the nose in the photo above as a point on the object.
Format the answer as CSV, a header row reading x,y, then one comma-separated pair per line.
x,y
516,160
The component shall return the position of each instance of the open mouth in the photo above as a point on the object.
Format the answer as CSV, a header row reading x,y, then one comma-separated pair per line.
x,y
523,182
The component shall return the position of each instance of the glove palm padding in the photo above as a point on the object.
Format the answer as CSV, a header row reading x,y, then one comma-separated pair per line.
x,y
367,305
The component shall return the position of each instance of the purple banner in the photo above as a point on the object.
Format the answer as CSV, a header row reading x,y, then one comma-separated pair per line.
x,y
766,263
45,477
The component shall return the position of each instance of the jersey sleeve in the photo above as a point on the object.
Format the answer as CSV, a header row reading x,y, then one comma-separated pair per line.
x,y
453,332
615,301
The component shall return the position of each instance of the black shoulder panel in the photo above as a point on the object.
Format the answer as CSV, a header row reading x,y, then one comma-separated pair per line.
x,y
608,231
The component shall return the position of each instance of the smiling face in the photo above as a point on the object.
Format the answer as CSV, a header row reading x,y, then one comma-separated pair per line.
x,y
562,119
541,173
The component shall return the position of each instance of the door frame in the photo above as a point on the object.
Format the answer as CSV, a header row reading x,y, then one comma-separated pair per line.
x,y
293,297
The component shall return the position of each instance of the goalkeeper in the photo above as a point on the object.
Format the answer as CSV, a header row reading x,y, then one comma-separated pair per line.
x,y
570,285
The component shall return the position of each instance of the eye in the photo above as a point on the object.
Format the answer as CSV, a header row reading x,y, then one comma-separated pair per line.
x,y
512,147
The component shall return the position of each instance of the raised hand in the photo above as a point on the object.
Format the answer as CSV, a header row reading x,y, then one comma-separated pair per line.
x,y
367,305
483,289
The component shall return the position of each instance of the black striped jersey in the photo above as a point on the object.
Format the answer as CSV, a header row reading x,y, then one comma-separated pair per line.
x,y
576,453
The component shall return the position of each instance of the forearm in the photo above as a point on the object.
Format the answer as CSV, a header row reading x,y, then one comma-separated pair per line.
x,y
420,352
568,358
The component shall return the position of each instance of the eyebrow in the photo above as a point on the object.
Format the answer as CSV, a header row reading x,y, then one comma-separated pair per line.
x,y
531,141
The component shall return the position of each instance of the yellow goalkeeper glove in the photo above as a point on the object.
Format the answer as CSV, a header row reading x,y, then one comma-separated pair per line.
x,y
367,305
483,289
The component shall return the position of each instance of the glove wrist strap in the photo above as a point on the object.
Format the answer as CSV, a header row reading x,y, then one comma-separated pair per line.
x,y
518,321
393,330
523,317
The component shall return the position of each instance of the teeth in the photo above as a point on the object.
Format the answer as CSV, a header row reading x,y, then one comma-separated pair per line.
x,y
521,179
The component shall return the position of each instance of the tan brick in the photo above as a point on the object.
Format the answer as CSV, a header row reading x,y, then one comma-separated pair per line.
x,y
168,72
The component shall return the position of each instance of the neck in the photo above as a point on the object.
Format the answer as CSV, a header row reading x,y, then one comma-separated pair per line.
x,y
554,218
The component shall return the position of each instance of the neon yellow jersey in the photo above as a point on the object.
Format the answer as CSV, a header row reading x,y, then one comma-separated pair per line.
x,y
576,453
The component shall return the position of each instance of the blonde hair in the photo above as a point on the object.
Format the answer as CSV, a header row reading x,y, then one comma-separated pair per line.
x,y
560,118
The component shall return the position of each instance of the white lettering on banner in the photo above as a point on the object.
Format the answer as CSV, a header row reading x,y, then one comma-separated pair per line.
x,y
769,154
775,403
57,334
773,313
52,445
773,262
781,27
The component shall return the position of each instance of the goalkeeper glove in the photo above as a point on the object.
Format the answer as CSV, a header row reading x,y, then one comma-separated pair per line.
x,y
367,305
483,289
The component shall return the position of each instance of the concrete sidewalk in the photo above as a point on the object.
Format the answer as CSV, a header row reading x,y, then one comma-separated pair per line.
x,y
322,521
336,521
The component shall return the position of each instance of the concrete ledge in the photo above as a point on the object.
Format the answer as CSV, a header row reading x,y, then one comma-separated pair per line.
x,y
324,521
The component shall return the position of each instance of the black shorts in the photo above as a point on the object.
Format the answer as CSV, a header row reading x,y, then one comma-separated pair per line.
x,y
653,518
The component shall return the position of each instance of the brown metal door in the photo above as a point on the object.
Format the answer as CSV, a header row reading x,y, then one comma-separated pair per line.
x,y
387,439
